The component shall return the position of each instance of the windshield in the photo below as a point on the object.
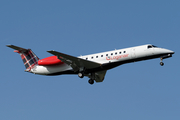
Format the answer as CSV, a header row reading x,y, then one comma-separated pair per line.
x,y
151,46
154,46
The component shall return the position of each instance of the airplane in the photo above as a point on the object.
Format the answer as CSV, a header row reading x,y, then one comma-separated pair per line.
x,y
93,66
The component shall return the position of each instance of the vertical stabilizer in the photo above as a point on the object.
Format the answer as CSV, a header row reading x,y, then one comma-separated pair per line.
x,y
28,57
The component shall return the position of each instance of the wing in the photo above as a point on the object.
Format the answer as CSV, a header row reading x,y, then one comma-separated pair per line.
x,y
74,62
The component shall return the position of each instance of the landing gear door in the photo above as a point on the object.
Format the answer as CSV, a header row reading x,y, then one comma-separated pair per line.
x,y
133,53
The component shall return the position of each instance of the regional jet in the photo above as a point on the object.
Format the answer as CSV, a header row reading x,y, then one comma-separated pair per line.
x,y
93,66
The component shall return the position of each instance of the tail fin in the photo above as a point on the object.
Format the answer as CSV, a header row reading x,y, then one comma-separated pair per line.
x,y
28,57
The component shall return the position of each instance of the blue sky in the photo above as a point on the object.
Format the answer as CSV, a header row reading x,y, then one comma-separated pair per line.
x,y
142,90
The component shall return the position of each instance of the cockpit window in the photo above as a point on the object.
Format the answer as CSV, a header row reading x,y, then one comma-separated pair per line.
x,y
149,46
154,46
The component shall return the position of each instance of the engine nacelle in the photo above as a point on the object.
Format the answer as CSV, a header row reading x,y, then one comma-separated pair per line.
x,y
53,60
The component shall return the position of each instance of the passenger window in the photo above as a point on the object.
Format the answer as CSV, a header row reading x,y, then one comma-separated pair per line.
x,y
86,58
111,53
106,54
96,56
101,55
116,53
119,52
91,57
124,51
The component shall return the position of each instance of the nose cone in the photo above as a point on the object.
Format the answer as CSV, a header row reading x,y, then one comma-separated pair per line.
x,y
169,51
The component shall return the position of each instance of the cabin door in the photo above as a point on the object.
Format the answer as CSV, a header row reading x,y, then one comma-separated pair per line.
x,y
133,53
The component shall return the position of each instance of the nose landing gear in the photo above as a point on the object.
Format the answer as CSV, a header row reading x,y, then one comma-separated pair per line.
x,y
161,63
164,57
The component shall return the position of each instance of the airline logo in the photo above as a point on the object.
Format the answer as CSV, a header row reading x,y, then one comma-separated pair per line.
x,y
117,57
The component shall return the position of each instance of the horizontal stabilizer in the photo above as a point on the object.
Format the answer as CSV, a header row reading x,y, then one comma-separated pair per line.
x,y
17,48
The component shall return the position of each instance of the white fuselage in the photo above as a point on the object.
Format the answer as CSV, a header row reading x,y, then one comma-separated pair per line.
x,y
109,58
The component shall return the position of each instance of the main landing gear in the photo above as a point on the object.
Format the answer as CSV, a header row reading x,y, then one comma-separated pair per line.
x,y
91,81
91,76
81,74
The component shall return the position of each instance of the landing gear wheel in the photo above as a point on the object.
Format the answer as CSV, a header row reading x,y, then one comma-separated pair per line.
x,y
161,63
81,75
91,81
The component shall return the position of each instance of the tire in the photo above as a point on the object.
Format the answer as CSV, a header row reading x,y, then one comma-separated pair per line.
x,y
81,75
161,63
91,81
